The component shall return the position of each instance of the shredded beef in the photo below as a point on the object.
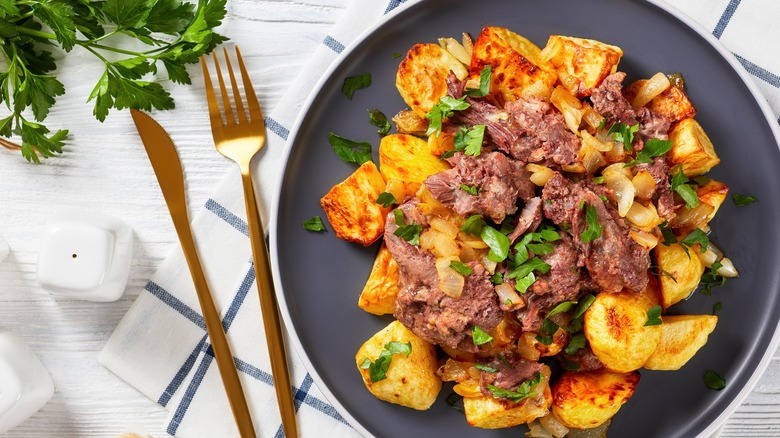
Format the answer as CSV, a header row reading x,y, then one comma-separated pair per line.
x,y
528,219
511,372
582,360
608,101
499,181
536,120
614,261
426,310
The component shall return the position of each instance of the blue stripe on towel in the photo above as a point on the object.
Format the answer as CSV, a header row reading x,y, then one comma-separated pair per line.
x,y
227,216
178,379
725,18
763,74
393,4
238,299
333,44
277,128
176,304
197,379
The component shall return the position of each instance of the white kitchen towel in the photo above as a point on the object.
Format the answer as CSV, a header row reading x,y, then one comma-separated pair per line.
x,y
160,346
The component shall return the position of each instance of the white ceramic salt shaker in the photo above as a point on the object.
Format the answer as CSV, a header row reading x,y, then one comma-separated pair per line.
x,y
85,255
4,249
25,385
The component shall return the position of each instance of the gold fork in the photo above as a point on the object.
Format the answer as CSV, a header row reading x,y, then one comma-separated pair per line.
x,y
240,138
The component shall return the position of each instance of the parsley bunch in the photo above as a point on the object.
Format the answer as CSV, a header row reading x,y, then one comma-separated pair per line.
x,y
172,33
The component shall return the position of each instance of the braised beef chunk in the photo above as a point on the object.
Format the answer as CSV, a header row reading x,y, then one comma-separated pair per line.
x,y
662,194
509,373
582,360
416,268
528,219
546,129
493,183
608,101
614,261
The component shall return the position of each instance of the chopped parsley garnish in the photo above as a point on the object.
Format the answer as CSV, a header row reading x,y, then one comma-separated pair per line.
x,y
485,368
497,242
446,106
461,268
561,308
522,392
377,370
714,381
668,234
654,316
696,236
354,83
742,200
711,278
534,264
653,148
576,342
379,119
473,225
717,307
685,190
386,199
350,151
593,231
582,305
314,224
410,233
598,179
522,284
497,278
471,190
622,133
546,333
469,140
453,400
479,336
484,83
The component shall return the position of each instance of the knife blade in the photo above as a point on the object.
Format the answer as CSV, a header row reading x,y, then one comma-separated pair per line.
x,y
170,175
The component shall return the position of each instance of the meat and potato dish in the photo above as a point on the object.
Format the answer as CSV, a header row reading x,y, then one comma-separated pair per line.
x,y
537,215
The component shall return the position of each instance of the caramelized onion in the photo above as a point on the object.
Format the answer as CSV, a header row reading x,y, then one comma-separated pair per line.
x,y
506,292
539,174
644,183
646,240
554,426
649,89
643,217
624,190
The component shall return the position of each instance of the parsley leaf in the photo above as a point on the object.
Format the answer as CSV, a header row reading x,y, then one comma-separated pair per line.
x,y
446,106
410,233
497,242
561,308
484,83
576,342
377,370
546,333
314,224
717,307
485,368
710,278
522,392
471,190
622,133
461,268
523,283
379,119
350,151
354,83
742,200
653,148
714,381
453,400
593,231
582,305
473,225
696,236
469,140
479,336
654,316
386,199
686,192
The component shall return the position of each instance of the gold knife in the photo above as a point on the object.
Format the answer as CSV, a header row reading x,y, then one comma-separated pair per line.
x,y
167,168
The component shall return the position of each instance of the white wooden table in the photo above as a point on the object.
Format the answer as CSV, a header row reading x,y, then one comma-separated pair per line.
x,y
105,169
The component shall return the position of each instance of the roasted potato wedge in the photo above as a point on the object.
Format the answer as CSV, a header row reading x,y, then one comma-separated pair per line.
x,y
422,76
487,412
516,62
615,328
408,158
378,296
691,148
583,400
581,63
680,273
351,206
681,337
410,381
672,103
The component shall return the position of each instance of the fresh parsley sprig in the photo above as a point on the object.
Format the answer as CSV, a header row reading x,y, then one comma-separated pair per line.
x,y
175,33
377,369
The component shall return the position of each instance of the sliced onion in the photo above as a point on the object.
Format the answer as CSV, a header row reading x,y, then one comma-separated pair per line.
x,y
696,217
554,426
467,389
646,240
454,371
727,268
569,106
456,49
649,89
468,44
592,160
594,143
446,227
489,265
539,174
526,347
450,282
591,117
644,183
618,168
506,293
536,430
624,190
643,217
708,257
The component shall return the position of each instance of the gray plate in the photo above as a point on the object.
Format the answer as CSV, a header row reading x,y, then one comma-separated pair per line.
x,y
320,277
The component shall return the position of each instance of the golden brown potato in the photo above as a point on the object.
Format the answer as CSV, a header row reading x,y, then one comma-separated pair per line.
x,y
581,63
672,103
408,158
491,413
516,62
692,148
422,76
410,381
711,196
378,296
680,274
615,328
681,337
583,400
351,206
713,193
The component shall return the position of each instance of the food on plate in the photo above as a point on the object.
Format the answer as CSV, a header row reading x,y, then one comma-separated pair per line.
x,y
681,337
399,367
351,206
542,216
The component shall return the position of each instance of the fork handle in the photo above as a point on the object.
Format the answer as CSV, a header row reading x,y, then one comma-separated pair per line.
x,y
274,331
